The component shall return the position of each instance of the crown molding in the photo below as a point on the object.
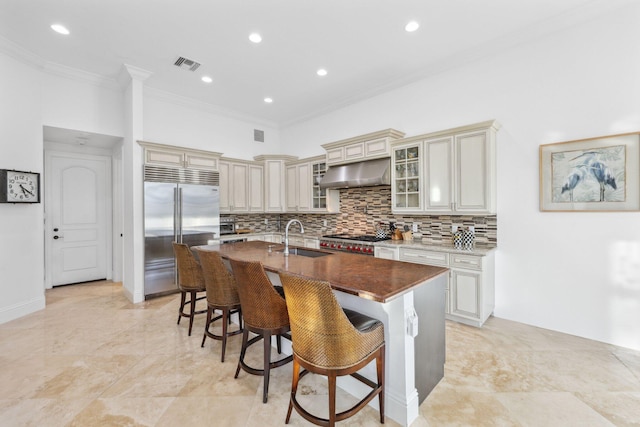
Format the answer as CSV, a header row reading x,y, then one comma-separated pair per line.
x,y
80,75
184,101
21,54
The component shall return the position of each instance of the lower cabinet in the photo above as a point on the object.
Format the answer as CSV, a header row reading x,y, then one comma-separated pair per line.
x,y
386,253
470,296
273,238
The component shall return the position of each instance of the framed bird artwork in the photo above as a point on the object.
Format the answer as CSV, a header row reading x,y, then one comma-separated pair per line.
x,y
595,174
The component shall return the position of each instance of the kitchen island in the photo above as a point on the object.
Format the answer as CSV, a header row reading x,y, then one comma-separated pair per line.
x,y
408,298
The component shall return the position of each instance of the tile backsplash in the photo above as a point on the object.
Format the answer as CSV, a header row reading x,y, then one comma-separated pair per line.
x,y
361,209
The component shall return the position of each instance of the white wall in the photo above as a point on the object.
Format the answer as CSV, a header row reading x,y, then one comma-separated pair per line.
x,y
577,273
174,123
89,106
21,226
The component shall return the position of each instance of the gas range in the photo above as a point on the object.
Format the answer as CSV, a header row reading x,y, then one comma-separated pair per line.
x,y
354,243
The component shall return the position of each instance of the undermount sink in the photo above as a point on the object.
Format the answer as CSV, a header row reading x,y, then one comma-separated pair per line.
x,y
306,252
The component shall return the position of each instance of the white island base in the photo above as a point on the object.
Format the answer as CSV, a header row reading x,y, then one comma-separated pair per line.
x,y
414,365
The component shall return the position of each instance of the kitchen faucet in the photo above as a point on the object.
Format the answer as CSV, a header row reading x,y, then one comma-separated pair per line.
x,y
286,235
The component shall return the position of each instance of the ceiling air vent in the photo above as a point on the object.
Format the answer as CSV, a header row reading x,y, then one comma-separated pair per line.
x,y
187,64
258,135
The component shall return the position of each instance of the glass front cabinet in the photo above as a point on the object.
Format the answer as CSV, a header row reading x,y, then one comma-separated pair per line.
x,y
319,194
406,185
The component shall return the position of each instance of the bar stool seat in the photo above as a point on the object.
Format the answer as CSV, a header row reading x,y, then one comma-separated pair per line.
x,y
222,294
331,341
190,281
265,313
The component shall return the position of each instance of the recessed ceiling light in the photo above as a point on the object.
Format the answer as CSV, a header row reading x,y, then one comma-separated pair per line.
x,y
268,100
255,37
411,26
61,29
207,79
321,72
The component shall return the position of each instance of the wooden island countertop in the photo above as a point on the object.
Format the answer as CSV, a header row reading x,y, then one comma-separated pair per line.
x,y
365,276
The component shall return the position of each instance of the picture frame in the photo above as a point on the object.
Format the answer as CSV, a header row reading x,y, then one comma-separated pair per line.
x,y
595,174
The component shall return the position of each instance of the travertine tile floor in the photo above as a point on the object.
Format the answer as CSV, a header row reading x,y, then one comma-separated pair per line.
x,y
93,359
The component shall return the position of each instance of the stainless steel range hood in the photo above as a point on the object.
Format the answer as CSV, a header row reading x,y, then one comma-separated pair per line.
x,y
362,174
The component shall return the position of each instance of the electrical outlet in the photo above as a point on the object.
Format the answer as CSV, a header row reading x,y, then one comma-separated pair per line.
x,y
414,227
266,221
324,222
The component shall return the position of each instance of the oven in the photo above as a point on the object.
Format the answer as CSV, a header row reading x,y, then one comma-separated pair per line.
x,y
357,244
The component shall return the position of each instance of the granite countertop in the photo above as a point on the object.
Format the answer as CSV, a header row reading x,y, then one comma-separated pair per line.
x,y
443,247
478,250
372,278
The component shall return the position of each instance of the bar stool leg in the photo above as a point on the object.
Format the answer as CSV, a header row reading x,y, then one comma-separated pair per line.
x,y
332,399
206,325
245,336
183,297
225,315
294,387
266,337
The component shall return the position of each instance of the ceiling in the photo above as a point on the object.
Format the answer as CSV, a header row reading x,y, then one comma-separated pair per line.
x,y
361,43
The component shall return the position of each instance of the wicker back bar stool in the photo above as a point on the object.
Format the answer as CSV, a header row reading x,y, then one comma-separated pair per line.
x,y
190,281
331,341
265,313
222,294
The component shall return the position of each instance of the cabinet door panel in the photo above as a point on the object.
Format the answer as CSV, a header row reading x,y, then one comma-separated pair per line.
x,y
438,174
354,151
471,155
292,188
465,288
256,188
377,147
304,183
201,161
164,157
225,187
240,199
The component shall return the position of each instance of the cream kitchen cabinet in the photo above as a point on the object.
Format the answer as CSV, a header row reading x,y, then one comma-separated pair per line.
x,y
275,181
364,147
299,187
407,177
303,190
470,296
273,238
241,187
386,253
166,155
461,173
457,172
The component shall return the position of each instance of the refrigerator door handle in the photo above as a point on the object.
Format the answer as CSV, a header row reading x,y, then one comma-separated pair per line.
x,y
176,216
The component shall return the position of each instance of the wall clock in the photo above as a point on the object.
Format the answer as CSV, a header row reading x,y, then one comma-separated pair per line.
x,y
19,187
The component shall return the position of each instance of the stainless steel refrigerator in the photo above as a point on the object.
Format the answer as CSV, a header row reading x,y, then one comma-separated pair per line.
x,y
180,205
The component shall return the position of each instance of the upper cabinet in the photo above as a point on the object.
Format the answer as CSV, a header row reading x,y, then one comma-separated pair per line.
x,y
407,177
364,147
298,187
303,191
167,155
275,200
457,172
241,186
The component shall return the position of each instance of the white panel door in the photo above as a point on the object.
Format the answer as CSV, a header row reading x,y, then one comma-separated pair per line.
x,y
77,217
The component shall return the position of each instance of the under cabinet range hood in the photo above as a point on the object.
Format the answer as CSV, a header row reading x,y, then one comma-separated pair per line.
x,y
369,173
